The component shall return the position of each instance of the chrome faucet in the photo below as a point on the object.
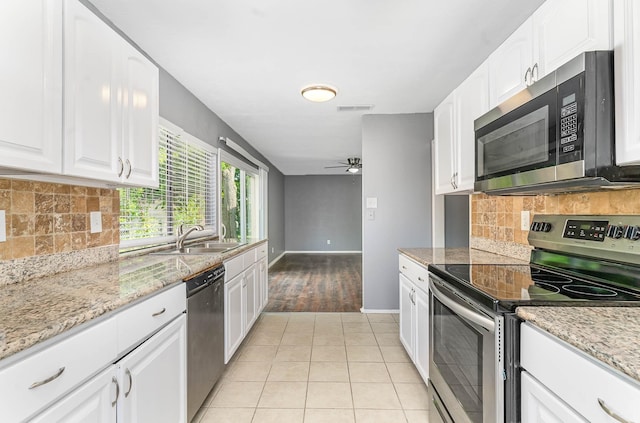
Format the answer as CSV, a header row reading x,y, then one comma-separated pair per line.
x,y
182,234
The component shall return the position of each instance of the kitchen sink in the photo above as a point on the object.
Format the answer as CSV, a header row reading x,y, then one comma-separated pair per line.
x,y
210,247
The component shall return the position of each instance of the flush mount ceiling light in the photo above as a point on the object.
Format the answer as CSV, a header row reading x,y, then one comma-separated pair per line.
x,y
319,93
353,170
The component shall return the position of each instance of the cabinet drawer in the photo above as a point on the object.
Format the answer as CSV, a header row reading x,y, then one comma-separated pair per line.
x,y
138,322
261,251
415,272
249,257
561,368
75,358
233,267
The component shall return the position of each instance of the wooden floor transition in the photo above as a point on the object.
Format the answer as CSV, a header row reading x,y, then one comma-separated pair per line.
x,y
316,283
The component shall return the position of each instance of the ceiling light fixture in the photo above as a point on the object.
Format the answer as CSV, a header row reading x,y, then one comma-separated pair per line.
x,y
353,170
319,93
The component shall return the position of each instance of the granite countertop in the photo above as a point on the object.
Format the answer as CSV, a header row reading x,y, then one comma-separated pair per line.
x,y
427,256
37,310
609,334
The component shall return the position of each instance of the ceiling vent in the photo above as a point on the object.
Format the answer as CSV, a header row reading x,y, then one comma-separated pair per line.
x,y
356,108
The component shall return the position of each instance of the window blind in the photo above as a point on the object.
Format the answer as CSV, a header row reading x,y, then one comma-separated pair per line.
x,y
186,193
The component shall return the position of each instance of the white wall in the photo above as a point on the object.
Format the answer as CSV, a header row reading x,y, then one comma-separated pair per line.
x,y
396,157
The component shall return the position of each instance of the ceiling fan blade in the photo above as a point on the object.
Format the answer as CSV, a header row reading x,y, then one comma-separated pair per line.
x,y
333,167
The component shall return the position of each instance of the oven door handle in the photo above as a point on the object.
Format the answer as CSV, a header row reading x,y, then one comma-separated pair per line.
x,y
461,310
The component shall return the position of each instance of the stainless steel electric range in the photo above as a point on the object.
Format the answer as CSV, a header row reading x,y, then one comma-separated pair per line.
x,y
474,333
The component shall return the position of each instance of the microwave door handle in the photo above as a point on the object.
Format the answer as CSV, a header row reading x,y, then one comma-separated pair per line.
x,y
463,311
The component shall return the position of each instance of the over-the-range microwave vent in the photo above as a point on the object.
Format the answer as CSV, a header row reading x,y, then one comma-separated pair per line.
x,y
355,108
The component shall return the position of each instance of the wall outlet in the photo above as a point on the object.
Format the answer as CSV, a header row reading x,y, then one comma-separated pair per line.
x,y
96,222
3,229
328,242
524,220
273,250
371,215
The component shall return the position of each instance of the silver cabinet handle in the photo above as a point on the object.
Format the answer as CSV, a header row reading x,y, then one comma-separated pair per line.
x,y
158,313
128,373
610,412
404,267
534,73
121,167
451,181
527,77
114,380
47,380
130,169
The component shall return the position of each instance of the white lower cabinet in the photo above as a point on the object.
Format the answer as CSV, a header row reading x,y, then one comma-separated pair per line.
x,y
250,287
539,405
414,314
233,311
263,283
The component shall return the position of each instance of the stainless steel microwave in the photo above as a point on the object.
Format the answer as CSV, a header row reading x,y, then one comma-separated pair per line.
x,y
555,136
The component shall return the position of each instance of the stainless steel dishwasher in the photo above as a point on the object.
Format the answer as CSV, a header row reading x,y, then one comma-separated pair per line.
x,y
205,335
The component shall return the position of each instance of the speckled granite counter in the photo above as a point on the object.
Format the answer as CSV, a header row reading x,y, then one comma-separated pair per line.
x,y
427,256
610,334
37,310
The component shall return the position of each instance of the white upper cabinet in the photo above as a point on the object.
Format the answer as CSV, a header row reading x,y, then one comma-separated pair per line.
x,y
443,128
31,85
556,33
111,104
627,83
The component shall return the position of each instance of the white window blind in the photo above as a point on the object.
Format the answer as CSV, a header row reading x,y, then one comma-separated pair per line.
x,y
186,193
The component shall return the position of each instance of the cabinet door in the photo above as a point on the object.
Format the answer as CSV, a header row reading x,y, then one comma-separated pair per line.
x,y
153,378
233,315
509,63
406,314
471,102
264,283
92,402
444,148
421,344
31,85
627,84
140,119
563,29
539,405
251,297
92,96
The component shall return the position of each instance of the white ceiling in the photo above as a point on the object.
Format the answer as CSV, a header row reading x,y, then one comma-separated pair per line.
x,y
248,60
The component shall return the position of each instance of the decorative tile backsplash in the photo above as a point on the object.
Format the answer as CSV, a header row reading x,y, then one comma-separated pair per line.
x,y
46,218
497,219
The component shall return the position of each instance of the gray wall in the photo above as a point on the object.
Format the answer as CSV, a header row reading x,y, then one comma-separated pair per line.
x,y
318,208
276,215
396,156
456,221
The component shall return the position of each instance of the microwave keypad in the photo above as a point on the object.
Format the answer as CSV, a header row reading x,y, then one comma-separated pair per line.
x,y
568,127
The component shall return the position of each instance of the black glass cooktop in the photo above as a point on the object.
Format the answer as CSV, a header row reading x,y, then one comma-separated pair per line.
x,y
505,287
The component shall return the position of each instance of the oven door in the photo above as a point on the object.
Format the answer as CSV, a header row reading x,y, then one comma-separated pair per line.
x,y
465,366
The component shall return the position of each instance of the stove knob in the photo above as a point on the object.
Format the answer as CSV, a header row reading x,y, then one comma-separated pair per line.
x,y
546,226
534,227
634,233
610,230
615,231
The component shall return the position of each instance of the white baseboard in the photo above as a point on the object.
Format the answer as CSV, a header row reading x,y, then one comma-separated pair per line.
x,y
372,311
323,252
276,259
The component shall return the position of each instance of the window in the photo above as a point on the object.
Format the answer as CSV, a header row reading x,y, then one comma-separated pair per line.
x,y
187,192
239,199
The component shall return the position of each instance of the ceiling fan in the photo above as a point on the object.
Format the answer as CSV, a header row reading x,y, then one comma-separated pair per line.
x,y
353,165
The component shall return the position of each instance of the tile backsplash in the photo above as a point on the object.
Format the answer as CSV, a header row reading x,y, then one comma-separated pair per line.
x,y
496,220
48,218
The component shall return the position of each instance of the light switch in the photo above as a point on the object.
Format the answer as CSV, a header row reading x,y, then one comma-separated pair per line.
x,y
372,202
3,229
96,222
524,220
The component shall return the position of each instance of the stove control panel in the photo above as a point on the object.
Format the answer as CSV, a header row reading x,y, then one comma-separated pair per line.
x,y
592,230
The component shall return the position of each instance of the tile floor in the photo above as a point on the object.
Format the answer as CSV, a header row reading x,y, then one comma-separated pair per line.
x,y
316,368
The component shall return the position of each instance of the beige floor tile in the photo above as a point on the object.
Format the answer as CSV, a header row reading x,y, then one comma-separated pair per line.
x,y
283,395
328,318
249,371
293,353
385,328
328,371
318,415
396,317
334,329
413,396
356,327
375,396
328,339
200,414
381,318
238,394
404,373
380,416
360,339
270,327
258,353
289,371
275,415
297,338
329,395
395,354
266,338
328,353
216,388
354,317
369,354
388,339
227,415
368,372
417,416
274,317
301,316
300,327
